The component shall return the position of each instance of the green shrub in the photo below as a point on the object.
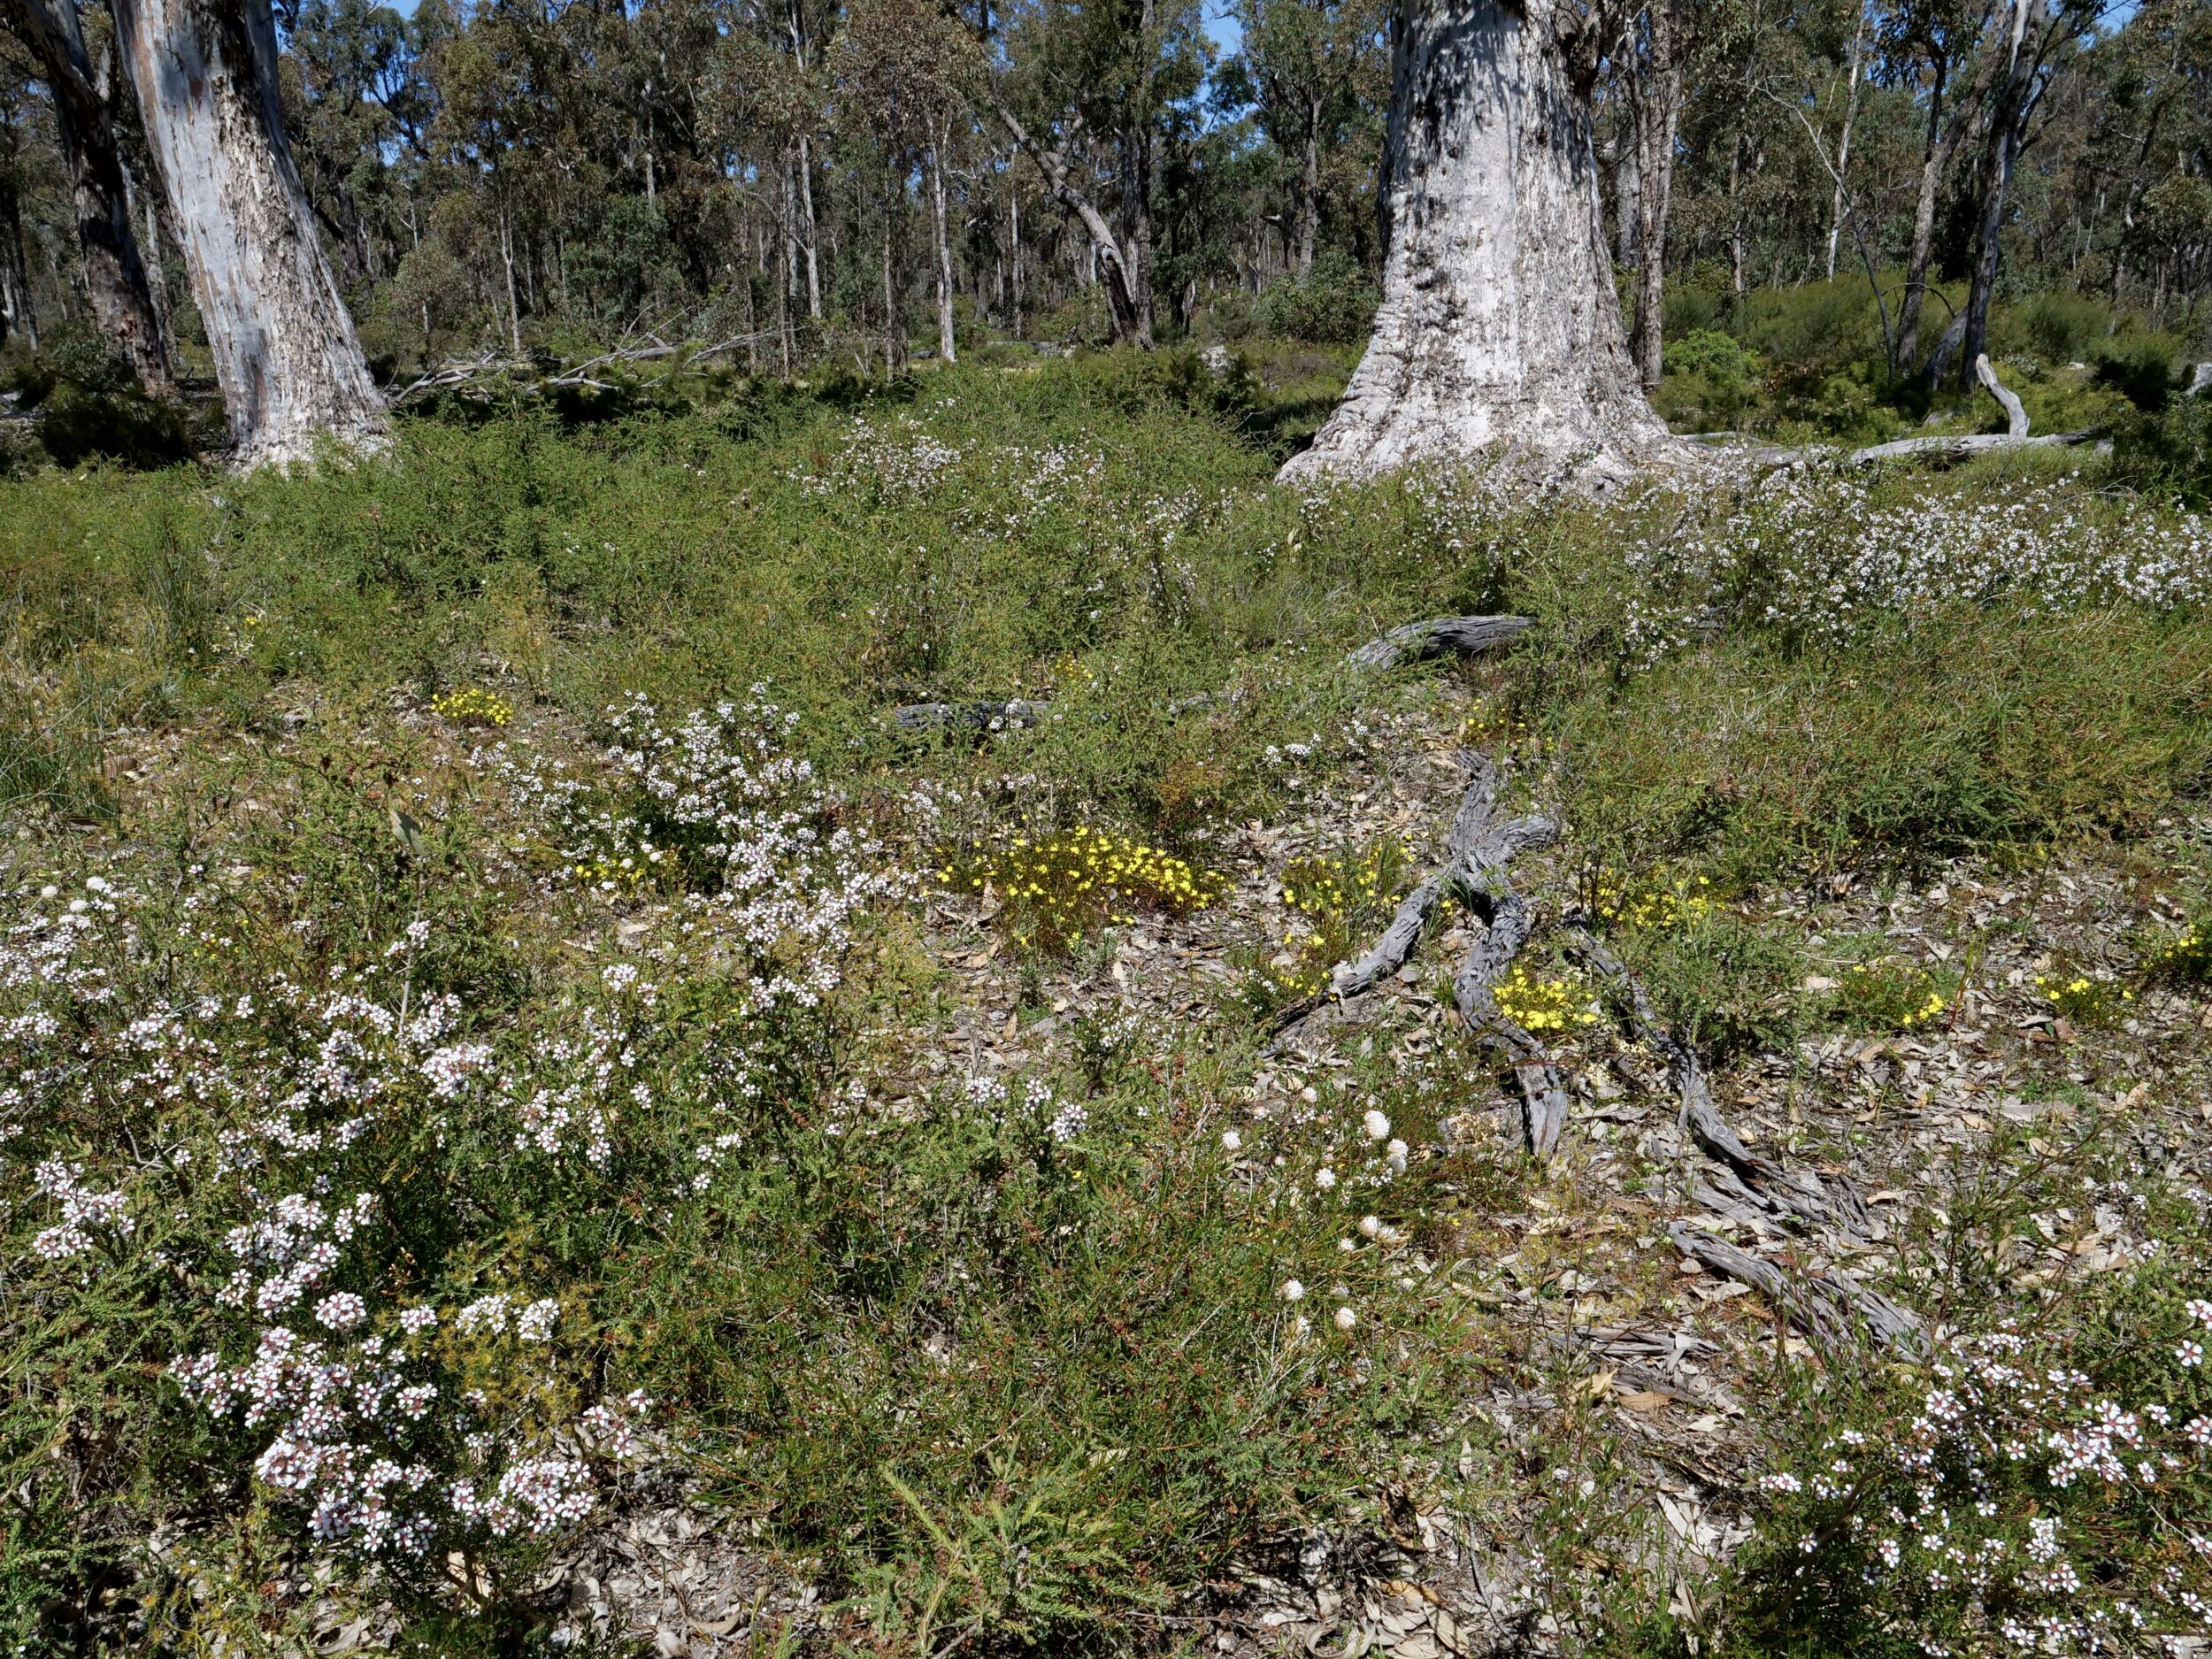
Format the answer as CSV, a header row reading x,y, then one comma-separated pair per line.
x,y
1332,304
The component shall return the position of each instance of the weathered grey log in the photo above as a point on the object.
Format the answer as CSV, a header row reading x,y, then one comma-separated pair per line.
x,y
1965,448
920,717
1349,979
2016,413
1480,849
1831,1306
1802,1193
2200,381
1543,1097
1438,636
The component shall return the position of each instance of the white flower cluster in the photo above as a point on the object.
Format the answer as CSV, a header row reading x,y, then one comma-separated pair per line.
x,y
1823,554
1924,1504
81,1211
751,835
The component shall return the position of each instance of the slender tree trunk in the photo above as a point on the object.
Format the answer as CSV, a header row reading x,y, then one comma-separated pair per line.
x,y
1843,144
2008,132
1014,223
1131,322
507,263
285,355
15,282
890,300
149,256
1499,328
1736,246
1658,118
811,230
1936,161
114,269
1309,190
946,343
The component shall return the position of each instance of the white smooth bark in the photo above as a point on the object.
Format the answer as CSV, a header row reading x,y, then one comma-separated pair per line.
x,y
285,355
1499,329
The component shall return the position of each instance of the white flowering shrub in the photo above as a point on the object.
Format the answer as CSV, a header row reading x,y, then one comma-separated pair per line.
x,y
2041,1487
337,1232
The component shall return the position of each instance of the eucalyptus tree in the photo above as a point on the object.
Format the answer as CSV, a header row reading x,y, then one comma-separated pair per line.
x,y
1499,328
1306,63
286,354
115,276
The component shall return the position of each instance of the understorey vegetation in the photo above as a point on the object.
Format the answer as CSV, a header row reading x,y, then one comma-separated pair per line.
x,y
510,1021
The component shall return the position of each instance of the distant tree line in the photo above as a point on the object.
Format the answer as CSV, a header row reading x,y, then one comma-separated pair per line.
x,y
857,180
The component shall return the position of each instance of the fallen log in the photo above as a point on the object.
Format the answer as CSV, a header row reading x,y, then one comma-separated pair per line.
x,y
1759,1179
2014,435
1438,636
1831,1306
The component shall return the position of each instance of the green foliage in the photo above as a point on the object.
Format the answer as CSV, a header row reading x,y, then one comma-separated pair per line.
x,y
1893,993
2140,365
1732,984
1333,304
89,407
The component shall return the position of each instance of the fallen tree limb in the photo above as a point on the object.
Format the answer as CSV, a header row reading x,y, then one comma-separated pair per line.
x,y
1830,1307
1958,449
1416,642
1759,1179
1964,448
477,378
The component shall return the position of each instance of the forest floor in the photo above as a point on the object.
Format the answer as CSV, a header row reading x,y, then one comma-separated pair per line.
x,y
494,1163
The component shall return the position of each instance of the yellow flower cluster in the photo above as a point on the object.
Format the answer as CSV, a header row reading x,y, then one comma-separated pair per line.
x,y
1657,909
469,706
1057,888
2085,1001
627,873
1490,727
1538,1005
1905,993
2187,956
1325,888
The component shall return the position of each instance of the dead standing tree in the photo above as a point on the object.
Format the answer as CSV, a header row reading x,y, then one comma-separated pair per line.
x,y
285,355
1499,328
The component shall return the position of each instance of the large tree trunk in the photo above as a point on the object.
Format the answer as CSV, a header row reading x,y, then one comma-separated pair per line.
x,y
285,355
1499,328
115,274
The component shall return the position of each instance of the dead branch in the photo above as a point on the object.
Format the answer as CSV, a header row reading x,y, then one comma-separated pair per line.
x,y
1950,449
1831,1306
480,377
1416,642
1746,1182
